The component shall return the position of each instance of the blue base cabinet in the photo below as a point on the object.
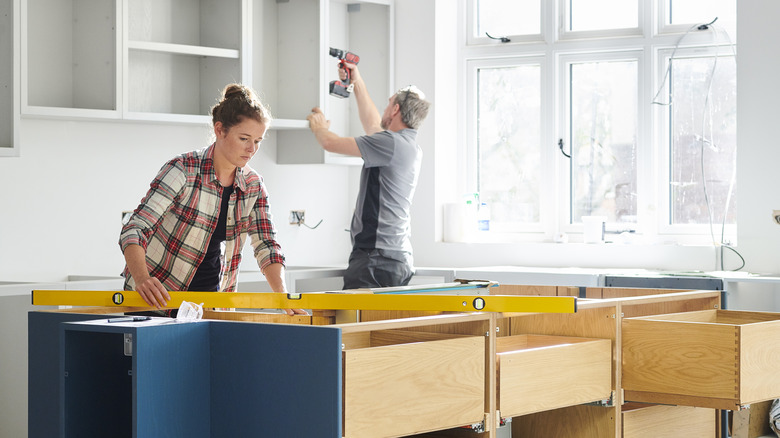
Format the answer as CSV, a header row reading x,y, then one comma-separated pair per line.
x,y
89,377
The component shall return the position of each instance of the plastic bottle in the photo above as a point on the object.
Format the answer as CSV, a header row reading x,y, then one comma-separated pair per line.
x,y
483,217
470,219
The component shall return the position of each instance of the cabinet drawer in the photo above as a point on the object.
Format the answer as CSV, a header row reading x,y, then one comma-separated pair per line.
x,y
412,387
659,421
538,373
713,358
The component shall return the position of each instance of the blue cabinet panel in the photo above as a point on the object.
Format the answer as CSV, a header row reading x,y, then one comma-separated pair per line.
x,y
275,380
43,371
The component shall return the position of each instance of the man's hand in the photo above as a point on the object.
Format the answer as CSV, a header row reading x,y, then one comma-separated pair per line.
x,y
317,120
354,73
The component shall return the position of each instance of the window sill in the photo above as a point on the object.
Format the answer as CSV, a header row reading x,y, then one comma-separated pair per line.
x,y
614,239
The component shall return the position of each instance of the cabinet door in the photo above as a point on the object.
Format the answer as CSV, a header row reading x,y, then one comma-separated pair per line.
x,y
9,78
69,57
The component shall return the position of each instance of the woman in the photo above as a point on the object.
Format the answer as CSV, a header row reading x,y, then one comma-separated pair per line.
x,y
188,231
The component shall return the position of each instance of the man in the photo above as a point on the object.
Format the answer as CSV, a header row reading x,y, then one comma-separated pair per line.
x,y
381,248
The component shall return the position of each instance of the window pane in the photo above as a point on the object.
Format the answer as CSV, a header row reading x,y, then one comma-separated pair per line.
x,y
508,17
508,142
700,11
593,15
603,138
703,136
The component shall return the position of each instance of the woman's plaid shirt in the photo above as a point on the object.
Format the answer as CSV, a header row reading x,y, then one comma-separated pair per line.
x,y
178,215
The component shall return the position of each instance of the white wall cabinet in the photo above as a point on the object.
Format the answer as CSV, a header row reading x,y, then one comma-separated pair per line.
x,y
9,77
293,67
168,61
70,58
153,60
179,55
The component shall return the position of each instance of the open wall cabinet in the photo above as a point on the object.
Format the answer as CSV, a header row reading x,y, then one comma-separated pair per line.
x,y
169,60
299,79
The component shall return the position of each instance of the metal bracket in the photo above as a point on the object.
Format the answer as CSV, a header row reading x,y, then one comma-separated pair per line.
x,y
503,421
128,345
607,402
478,427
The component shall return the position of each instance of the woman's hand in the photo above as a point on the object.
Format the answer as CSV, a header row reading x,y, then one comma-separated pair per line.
x,y
153,292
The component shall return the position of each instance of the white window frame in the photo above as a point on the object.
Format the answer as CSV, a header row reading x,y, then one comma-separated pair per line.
x,y
564,61
647,43
543,226
661,27
564,34
476,40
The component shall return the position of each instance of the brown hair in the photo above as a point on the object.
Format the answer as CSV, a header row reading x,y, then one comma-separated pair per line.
x,y
237,103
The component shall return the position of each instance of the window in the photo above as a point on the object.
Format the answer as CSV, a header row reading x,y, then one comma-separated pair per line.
x,y
702,139
578,113
602,118
589,14
501,18
509,125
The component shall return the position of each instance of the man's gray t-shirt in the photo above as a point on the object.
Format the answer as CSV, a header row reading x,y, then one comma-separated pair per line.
x,y
387,182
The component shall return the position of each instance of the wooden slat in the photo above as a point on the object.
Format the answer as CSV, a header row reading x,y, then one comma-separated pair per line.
x,y
257,317
516,289
395,337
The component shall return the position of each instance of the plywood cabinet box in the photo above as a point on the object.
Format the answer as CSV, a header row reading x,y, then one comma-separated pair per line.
x,y
719,359
539,373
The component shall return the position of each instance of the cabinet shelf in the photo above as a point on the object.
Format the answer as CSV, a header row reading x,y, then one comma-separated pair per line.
x,y
290,124
183,49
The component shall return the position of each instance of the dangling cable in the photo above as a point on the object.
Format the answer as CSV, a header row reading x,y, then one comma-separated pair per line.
x,y
669,69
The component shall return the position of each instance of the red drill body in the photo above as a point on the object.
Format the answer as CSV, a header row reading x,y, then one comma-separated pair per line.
x,y
343,86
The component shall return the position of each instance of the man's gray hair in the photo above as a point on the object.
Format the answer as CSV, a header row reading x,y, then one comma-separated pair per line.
x,y
413,106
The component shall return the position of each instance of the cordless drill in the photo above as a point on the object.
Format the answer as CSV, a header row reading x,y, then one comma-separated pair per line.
x,y
343,86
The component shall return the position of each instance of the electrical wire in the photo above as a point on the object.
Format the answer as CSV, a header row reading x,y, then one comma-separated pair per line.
x,y
706,111
669,68
311,228
707,115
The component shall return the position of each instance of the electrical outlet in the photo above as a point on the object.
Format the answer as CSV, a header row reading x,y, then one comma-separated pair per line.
x,y
297,217
776,216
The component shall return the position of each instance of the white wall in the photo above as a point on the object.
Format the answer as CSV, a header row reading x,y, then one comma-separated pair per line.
x,y
61,200
758,96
